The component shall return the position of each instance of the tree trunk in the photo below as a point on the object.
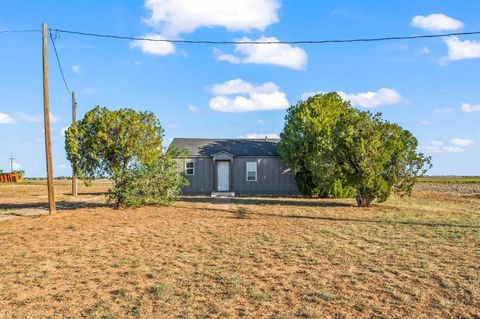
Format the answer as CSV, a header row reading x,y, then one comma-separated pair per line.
x,y
116,194
364,200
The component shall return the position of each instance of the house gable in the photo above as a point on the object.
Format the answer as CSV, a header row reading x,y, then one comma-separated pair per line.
x,y
222,156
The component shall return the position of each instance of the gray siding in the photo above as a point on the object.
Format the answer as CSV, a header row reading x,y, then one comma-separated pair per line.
x,y
273,177
202,182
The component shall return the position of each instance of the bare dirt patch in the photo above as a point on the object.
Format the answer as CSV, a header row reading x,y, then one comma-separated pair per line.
x,y
29,198
254,258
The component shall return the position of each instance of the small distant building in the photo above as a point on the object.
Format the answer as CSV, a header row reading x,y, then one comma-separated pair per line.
x,y
9,178
235,167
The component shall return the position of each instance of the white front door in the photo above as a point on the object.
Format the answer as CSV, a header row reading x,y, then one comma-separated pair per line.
x,y
223,176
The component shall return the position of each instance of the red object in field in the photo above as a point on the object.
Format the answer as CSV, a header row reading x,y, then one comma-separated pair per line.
x,y
9,178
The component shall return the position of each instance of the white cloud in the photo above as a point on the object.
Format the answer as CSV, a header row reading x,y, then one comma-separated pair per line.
x,y
256,102
436,22
76,68
260,122
154,47
232,87
36,118
16,166
283,55
173,17
469,108
425,122
462,142
192,108
227,57
261,135
368,99
461,50
456,145
6,119
63,130
248,97
440,147
373,99
29,118
62,166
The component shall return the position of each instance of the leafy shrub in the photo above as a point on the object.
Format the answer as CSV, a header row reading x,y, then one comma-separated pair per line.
x,y
156,183
340,190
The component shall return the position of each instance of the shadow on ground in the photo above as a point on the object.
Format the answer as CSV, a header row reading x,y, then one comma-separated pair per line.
x,y
236,210
360,220
282,201
61,205
240,212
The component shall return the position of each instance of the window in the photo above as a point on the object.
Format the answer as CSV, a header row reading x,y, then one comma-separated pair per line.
x,y
251,171
189,168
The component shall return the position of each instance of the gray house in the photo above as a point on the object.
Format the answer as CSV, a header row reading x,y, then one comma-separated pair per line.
x,y
244,167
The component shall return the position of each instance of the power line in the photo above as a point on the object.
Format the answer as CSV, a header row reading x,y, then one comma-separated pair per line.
x,y
352,40
58,62
411,37
18,31
121,37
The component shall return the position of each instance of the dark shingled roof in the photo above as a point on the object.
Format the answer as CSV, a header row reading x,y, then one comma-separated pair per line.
x,y
234,146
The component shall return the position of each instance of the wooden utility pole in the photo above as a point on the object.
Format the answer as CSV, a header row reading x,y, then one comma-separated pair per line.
x,y
46,119
74,120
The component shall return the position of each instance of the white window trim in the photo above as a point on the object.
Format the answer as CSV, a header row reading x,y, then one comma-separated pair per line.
x,y
256,171
185,168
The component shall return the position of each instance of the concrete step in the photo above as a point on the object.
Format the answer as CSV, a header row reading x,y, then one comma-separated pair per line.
x,y
223,194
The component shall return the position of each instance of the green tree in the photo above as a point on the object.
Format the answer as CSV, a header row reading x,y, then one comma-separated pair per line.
x,y
155,183
109,144
307,147
342,148
377,157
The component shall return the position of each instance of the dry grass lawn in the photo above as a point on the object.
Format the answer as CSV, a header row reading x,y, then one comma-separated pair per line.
x,y
247,257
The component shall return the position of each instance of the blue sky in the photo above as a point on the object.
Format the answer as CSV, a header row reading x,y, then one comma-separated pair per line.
x,y
427,86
